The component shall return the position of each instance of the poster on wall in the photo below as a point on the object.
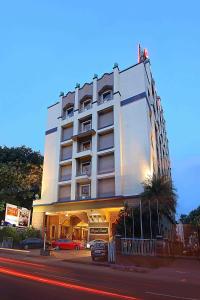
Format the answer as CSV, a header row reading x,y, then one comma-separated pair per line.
x,y
24,217
18,216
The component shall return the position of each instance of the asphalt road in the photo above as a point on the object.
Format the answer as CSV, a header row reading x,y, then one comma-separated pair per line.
x,y
22,279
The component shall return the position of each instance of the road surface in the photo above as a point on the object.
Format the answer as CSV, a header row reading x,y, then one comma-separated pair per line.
x,y
25,279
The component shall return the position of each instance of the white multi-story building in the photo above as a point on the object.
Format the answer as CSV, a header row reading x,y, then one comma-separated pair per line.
x,y
102,141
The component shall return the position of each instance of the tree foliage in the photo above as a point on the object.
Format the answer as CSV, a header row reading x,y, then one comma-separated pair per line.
x,y
158,198
160,189
20,176
192,218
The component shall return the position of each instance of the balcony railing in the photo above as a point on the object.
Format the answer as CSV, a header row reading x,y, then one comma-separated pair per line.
x,y
85,108
86,128
67,116
84,172
66,157
83,197
63,199
101,101
65,177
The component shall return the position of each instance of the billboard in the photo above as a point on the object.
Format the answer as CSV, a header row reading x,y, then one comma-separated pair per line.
x,y
18,216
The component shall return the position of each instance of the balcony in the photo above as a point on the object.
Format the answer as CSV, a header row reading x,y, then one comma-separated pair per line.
x,y
83,134
68,116
105,97
86,172
65,177
83,191
85,107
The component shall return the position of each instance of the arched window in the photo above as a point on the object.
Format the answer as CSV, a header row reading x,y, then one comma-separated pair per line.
x,y
68,111
85,103
106,94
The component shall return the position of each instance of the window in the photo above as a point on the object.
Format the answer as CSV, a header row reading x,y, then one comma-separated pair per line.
x,y
105,118
65,172
106,140
67,133
106,163
86,125
64,192
106,187
70,112
106,96
85,145
86,104
66,152
85,168
85,191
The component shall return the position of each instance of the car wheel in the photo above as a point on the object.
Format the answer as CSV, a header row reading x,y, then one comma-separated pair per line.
x,y
26,247
77,247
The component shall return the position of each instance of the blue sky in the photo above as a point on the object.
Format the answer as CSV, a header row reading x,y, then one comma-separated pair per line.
x,y
48,46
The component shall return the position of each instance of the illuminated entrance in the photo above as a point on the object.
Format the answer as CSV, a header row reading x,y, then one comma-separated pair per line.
x,y
84,220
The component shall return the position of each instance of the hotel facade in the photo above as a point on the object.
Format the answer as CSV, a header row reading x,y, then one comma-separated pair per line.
x,y
102,141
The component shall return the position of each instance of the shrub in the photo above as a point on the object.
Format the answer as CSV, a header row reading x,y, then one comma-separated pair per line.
x,y
18,234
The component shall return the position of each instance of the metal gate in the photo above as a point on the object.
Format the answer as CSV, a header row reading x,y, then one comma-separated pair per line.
x,y
138,246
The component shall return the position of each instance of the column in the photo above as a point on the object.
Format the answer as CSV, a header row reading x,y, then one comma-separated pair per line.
x,y
74,149
94,140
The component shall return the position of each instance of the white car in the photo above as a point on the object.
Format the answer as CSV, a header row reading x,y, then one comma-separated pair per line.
x,y
91,243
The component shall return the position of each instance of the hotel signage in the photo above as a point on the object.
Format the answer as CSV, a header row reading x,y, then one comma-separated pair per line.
x,y
99,230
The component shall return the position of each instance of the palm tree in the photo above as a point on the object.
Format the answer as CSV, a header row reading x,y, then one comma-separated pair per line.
x,y
159,193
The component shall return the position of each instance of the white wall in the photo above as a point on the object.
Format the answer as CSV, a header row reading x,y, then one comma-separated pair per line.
x,y
51,157
135,135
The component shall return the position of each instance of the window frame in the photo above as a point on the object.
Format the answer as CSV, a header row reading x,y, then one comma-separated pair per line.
x,y
84,123
82,165
82,145
80,190
106,92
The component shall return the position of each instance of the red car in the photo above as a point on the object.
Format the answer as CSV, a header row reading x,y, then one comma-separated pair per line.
x,y
65,244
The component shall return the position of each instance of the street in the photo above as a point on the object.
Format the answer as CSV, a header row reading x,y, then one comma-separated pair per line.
x,y
27,279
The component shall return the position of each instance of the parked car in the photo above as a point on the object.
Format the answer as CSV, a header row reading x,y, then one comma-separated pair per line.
x,y
32,243
66,244
99,251
92,243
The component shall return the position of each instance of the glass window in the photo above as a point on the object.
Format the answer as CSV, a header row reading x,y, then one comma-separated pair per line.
x,y
87,104
106,96
85,146
85,190
70,112
86,125
85,168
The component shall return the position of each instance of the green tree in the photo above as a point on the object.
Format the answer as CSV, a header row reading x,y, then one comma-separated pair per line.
x,y
159,196
20,176
192,218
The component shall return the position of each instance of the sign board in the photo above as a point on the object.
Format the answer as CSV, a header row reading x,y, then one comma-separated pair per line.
x,y
18,216
12,214
99,230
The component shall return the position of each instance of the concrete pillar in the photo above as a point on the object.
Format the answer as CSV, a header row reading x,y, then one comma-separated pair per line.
x,y
117,132
38,220
94,140
74,150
